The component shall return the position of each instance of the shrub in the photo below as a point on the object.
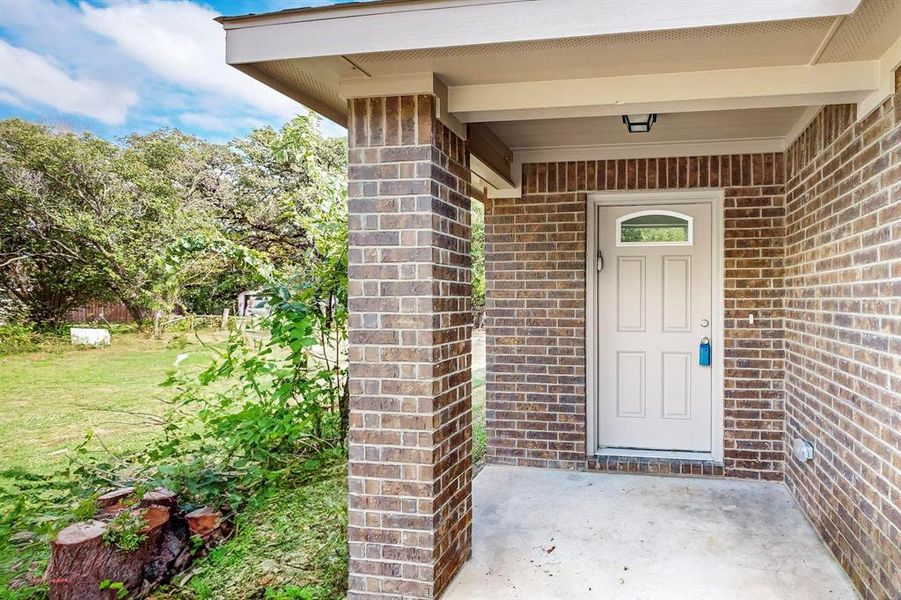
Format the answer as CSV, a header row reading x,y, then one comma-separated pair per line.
x,y
16,338
266,409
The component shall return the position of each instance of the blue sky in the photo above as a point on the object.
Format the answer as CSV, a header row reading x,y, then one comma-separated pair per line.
x,y
115,67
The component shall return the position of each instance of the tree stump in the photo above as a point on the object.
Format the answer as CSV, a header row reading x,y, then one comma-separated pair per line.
x,y
160,496
80,560
203,520
208,524
111,499
78,557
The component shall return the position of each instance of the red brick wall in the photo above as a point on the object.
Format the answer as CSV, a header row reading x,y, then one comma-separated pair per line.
x,y
410,509
843,375
535,317
535,330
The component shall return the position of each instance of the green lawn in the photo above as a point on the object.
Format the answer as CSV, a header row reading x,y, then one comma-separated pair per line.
x,y
290,539
50,400
479,437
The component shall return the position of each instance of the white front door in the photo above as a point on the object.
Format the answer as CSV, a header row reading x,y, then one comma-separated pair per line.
x,y
655,304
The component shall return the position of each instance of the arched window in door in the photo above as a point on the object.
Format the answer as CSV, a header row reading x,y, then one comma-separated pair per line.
x,y
654,228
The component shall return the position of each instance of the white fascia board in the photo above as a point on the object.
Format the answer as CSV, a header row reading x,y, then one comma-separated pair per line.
x,y
886,66
649,150
681,106
406,84
693,91
417,25
488,175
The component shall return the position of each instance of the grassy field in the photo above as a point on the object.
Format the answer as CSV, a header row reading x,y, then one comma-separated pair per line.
x,y
50,400
289,539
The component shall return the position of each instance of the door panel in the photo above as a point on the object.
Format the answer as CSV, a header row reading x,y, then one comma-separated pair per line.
x,y
676,390
677,291
630,305
630,377
654,297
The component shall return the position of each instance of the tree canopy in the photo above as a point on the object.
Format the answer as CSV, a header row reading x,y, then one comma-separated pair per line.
x,y
89,219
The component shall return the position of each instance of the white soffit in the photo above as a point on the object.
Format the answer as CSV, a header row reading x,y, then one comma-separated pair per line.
x,y
724,125
670,51
542,59
866,34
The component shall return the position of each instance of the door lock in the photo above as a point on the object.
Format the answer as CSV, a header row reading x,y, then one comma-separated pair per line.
x,y
705,323
704,352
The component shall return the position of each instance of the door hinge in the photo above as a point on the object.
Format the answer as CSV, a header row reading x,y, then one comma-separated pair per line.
x,y
600,261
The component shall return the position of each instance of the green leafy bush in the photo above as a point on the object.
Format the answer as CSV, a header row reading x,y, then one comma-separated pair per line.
x,y
125,531
116,586
19,338
16,338
478,259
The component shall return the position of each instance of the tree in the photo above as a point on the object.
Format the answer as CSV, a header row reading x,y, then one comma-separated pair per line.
x,y
86,219
268,405
278,177
280,182
478,257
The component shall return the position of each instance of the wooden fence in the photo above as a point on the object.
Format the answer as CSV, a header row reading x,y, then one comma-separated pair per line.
x,y
112,312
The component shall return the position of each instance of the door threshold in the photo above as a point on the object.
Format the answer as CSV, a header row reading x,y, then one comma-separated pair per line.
x,y
666,454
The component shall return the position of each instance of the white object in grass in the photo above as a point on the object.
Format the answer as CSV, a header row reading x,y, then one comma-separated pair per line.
x,y
180,358
82,336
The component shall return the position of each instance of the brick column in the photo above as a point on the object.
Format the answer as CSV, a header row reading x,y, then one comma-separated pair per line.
x,y
410,507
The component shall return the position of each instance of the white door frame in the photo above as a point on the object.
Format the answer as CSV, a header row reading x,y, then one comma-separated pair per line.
x,y
638,199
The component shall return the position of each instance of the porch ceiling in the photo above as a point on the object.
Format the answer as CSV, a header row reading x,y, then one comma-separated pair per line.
x,y
548,74
765,126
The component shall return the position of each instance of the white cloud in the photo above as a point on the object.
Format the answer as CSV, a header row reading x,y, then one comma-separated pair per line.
x,y
27,74
11,99
180,42
211,122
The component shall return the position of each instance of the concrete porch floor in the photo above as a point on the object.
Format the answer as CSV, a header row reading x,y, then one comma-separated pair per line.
x,y
547,534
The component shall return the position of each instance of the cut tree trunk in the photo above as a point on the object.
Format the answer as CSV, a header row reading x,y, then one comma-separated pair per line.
x,y
114,497
160,496
78,556
203,520
208,524
80,560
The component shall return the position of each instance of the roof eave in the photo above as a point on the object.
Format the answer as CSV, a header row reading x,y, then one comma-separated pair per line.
x,y
337,9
